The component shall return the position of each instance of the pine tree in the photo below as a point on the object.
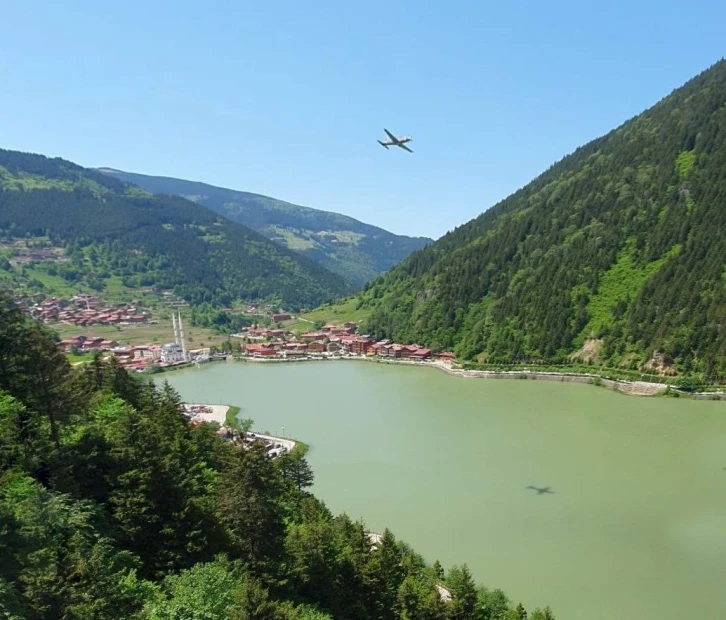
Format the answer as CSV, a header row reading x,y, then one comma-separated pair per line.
x,y
249,507
420,600
295,468
383,575
463,605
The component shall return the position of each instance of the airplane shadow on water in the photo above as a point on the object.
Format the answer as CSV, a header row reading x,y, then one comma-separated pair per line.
x,y
541,490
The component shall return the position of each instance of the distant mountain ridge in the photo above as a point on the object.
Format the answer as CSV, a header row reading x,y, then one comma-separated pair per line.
x,y
359,252
614,255
112,233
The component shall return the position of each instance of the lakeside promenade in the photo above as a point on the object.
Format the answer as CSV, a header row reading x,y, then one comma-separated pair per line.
x,y
218,413
631,388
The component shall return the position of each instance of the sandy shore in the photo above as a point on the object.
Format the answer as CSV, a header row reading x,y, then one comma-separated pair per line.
x,y
218,413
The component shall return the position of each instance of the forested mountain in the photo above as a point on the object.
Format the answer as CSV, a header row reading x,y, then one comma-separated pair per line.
x,y
112,229
113,505
355,250
616,254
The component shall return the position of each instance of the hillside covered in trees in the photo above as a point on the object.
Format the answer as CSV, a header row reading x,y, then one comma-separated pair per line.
x,y
357,251
616,254
113,505
108,228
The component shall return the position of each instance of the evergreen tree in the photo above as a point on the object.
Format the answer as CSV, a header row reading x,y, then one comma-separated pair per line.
x,y
295,468
383,576
249,506
419,599
463,605
542,614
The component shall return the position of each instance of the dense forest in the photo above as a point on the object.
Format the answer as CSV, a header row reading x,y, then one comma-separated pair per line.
x,y
112,229
357,251
614,255
113,505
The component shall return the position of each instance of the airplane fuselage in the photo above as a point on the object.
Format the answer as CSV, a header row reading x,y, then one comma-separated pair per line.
x,y
394,141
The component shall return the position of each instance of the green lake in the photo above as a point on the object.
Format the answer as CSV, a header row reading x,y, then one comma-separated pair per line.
x,y
635,525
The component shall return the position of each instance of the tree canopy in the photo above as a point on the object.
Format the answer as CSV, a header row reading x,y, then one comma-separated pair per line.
x,y
357,251
114,505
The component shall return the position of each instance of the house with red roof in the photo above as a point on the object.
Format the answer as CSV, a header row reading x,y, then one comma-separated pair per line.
x,y
360,346
260,350
317,346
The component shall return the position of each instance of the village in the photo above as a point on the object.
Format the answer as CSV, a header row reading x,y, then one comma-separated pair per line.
x,y
329,341
147,357
81,310
254,343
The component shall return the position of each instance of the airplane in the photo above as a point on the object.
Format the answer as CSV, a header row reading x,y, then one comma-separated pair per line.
x,y
540,490
394,141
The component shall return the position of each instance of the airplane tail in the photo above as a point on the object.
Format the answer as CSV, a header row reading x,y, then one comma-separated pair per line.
x,y
383,144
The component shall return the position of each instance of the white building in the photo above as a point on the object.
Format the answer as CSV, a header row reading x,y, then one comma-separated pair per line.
x,y
172,353
152,352
175,351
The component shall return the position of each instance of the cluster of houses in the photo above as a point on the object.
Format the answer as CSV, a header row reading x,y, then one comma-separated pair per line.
x,y
25,255
139,357
81,310
259,343
331,340
86,344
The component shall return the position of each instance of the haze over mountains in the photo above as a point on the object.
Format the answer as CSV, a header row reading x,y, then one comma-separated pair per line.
x,y
357,251
111,233
616,254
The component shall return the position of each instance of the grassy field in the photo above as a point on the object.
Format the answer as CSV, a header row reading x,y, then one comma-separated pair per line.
x,y
152,333
81,357
329,313
54,285
231,417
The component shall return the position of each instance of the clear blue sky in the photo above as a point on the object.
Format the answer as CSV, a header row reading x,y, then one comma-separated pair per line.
x,y
287,98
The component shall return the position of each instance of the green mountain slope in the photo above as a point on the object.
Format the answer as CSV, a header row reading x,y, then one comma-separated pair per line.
x,y
615,254
357,251
109,230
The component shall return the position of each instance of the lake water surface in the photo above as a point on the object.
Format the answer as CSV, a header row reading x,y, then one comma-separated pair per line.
x,y
635,526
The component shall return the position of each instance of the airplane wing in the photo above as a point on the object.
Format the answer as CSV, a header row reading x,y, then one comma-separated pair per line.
x,y
390,135
403,146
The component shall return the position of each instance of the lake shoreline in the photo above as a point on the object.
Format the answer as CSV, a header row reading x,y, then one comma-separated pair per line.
x,y
630,388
